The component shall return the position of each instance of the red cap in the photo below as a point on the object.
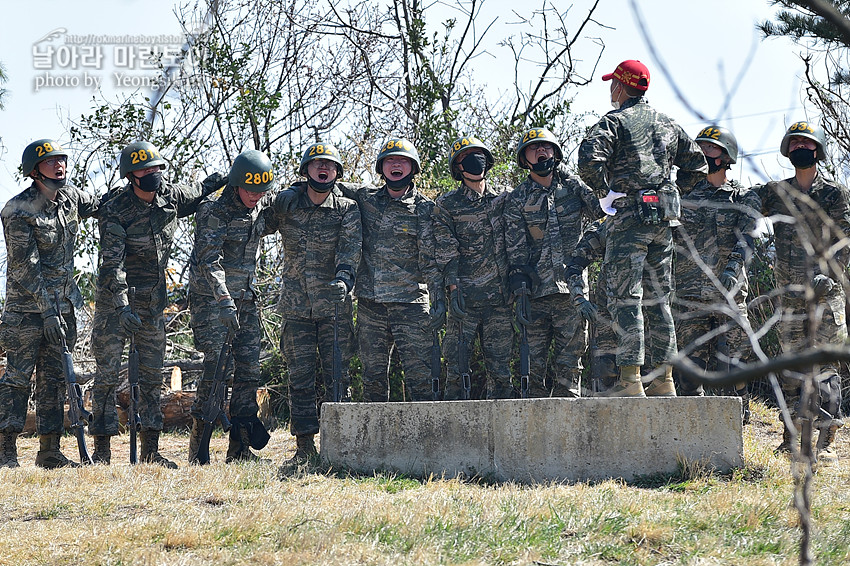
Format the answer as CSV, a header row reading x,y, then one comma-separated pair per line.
x,y
632,73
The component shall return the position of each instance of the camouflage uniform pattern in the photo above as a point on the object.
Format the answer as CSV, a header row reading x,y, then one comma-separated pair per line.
x,y
470,251
603,340
393,283
320,243
222,264
628,150
135,245
542,227
715,220
794,268
40,238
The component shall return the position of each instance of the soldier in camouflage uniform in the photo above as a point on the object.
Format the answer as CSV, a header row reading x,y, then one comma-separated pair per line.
x,y
544,220
394,279
810,197
321,236
603,340
137,228
627,158
718,220
40,225
470,252
229,226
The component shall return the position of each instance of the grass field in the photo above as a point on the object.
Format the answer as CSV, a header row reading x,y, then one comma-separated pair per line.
x,y
243,514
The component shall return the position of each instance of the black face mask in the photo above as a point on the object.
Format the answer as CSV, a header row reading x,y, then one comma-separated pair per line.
x,y
401,183
52,184
713,167
474,163
150,182
803,158
544,168
320,187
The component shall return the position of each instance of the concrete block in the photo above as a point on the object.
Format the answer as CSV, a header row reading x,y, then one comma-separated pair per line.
x,y
534,440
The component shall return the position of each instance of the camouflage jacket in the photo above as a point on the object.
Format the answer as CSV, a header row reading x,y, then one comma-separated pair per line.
x,y
136,240
720,222
828,199
469,231
635,148
543,226
320,242
398,246
227,236
40,239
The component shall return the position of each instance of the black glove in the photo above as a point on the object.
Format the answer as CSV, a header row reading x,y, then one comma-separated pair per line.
x,y
458,305
228,315
729,279
339,290
129,321
53,331
822,285
214,182
516,279
588,310
438,315
286,200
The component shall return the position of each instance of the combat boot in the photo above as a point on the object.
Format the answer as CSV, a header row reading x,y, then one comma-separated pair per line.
x,y
102,452
150,450
239,446
785,446
629,384
825,447
305,456
49,456
662,386
9,450
570,388
195,439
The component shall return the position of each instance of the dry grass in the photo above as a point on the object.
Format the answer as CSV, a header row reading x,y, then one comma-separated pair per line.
x,y
242,514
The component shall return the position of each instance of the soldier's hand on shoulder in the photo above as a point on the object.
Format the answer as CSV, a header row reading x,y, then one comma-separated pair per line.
x,y
822,285
286,199
214,182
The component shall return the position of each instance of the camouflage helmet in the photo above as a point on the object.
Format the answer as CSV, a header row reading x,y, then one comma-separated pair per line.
x,y
38,151
804,130
721,137
320,151
139,155
397,146
462,144
535,135
252,170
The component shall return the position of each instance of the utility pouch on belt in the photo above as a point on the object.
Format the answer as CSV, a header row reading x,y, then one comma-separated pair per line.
x,y
648,206
670,203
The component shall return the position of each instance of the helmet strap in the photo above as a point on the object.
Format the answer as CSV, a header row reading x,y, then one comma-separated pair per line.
x,y
320,187
399,184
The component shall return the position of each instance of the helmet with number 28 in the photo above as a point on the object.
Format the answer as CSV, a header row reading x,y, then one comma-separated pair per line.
x,y
462,144
252,171
139,155
320,151
38,151
397,146
537,135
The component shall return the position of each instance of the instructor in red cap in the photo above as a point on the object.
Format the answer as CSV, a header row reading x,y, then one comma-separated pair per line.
x,y
626,159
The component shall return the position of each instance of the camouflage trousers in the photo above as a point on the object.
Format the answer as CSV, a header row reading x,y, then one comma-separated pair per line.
x,y
491,324
638,262
210,335
602,352
22,335
694,320
108,341
307,347
794,336
555,322
380,328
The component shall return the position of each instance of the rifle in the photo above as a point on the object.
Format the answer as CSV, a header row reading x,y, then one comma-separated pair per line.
x,y
213,410
337,362
134,422
77,414
524,363
436,365
463,362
